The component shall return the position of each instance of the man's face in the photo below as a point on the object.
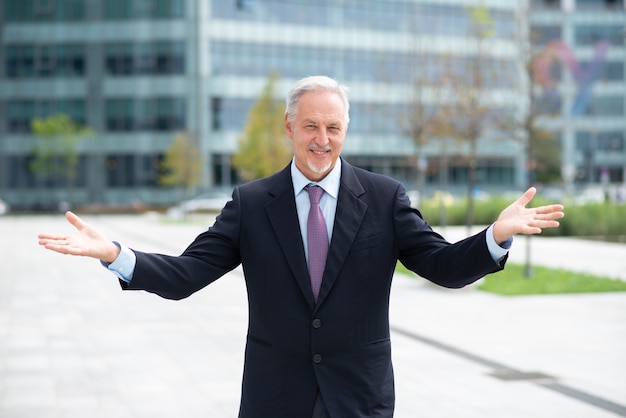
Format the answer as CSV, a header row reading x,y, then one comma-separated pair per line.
x,y
317,133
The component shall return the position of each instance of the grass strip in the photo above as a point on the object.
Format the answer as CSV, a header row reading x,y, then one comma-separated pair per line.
x,y
543,281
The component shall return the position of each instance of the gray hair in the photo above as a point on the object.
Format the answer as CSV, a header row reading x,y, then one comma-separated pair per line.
x,y
315,83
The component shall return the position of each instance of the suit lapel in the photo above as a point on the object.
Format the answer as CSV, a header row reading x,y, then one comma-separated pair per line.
x,y
282,214
348,218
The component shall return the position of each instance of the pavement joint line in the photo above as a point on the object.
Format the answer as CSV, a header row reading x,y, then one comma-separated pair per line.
x,y
585,397
547,383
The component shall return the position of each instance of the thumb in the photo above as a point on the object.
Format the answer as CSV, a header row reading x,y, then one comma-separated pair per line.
x,y
74,220
527,196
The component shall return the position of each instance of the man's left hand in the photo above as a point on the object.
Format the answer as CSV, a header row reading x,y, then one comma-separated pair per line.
x,y
518,219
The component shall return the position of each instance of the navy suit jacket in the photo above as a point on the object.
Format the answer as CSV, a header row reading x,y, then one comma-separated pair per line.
x,y
341,344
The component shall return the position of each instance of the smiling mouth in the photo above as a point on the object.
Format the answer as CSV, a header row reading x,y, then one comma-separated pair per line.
x,y
320,151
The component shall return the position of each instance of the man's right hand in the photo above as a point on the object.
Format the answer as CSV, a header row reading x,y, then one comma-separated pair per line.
x,y
87,241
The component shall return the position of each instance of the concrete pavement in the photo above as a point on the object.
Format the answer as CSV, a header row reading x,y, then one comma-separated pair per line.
x,y
73,345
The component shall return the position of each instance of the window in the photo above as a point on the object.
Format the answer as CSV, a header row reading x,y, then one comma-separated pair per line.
x,y
161,114
611,71
541,35
549,103
388,15
545,4
48,60
154,58
229,113
20,113
606,106
600,141
144,9
120,170
599,4
132,170
44,10
587,35
247,59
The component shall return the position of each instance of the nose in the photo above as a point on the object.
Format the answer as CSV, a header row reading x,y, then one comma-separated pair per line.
x,y
321,139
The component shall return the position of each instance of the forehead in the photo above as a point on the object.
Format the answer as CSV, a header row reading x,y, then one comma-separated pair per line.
x,y
324,105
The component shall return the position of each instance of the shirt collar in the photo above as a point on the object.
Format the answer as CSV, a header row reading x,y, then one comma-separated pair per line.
x,y
330,183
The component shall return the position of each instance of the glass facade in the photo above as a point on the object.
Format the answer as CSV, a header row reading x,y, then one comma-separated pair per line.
x,y
416,17
148,69
591,119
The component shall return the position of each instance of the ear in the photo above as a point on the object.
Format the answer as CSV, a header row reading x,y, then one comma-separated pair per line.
x,y
288,127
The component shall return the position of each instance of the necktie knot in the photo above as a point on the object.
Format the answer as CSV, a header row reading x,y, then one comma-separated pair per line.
x,y
315,193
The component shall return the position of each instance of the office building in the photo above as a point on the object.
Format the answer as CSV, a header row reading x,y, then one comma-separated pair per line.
x,y
140,71
587,79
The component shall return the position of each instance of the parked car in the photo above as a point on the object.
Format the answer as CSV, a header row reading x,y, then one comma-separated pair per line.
x,y
210,202
4,207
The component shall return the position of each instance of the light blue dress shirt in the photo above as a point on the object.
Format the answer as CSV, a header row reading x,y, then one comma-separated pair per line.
x,y
124,264
328,201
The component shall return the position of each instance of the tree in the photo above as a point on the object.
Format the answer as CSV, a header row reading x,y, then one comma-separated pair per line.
x,y
263,149
543,152
182,163
55,154
541,145
426,117
469,109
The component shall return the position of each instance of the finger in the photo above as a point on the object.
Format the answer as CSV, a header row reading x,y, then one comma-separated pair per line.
x,y
550,208
527,196
63,249
46,236
74,220
553,216
45,240
547,224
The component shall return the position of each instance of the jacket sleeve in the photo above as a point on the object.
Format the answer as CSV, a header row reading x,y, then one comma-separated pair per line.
x,y
211,255
431,256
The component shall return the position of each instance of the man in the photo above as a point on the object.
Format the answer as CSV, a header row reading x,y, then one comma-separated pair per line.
x,y
318,337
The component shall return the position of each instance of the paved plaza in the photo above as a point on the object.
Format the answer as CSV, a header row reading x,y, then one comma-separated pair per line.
x,y
72,344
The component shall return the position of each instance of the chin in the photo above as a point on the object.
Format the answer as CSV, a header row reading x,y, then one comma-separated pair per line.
x,y
320,170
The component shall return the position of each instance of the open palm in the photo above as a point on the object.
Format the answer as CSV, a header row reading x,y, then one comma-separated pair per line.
x,y
87,241
518,219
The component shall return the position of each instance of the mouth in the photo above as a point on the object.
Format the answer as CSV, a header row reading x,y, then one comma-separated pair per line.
x,y
320,151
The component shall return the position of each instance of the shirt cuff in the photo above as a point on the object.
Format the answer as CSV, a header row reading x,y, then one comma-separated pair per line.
x,y
124,265
497,251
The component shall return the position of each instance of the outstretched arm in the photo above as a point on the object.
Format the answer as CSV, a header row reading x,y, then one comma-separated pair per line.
x,y
518,219
87,241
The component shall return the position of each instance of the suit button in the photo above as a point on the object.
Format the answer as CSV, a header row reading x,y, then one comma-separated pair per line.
x,y
316,323
317,358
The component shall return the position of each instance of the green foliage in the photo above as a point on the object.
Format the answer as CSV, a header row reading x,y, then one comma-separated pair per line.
x,y
485,211
56,152
593,220
544,281
182,163
590,220
546,155
263,148
482,21
512,282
